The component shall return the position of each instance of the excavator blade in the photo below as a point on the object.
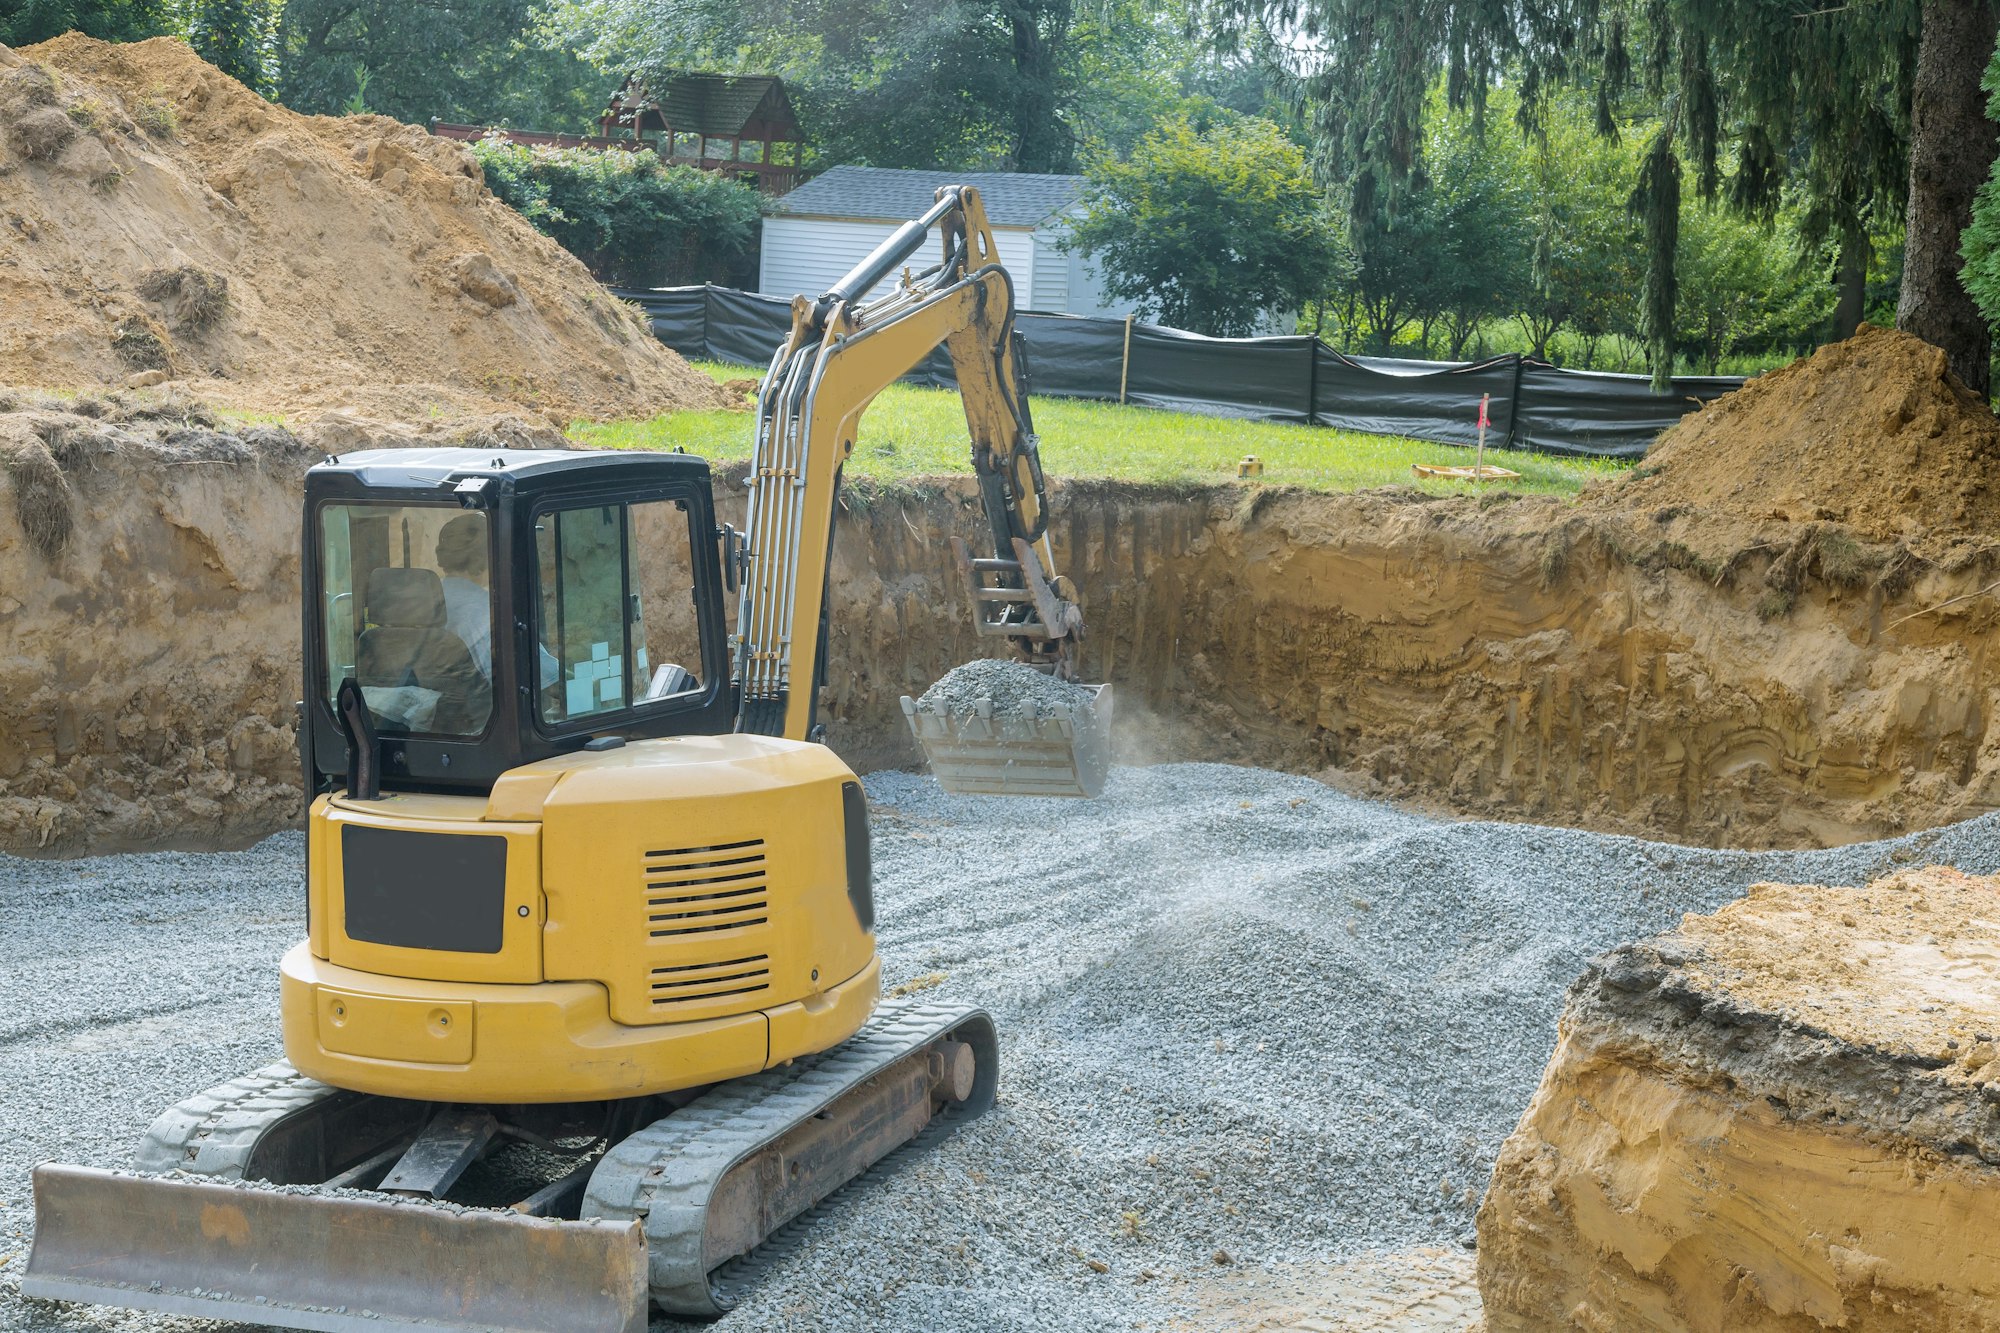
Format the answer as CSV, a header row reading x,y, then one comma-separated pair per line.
x,y
1036,752
333,1262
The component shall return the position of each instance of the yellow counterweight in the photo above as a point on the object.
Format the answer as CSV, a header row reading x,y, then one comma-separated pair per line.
x,y
659,916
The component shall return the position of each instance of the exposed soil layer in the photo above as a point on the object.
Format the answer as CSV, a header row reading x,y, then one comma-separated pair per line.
x,y
1784,1116
162,222
1520,659
1875,433
1524,659
148,627
1717,673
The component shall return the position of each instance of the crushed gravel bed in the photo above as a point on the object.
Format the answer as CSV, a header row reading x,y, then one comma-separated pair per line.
x,y
1009,684
1243,1017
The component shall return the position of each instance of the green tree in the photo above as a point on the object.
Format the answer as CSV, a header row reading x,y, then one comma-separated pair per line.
x,y
1866,110
1133,67
1390,281
633,221
1981,241
1209,230
482,62
1745,285
1588,260
975,84
1477,206
238,37
25,22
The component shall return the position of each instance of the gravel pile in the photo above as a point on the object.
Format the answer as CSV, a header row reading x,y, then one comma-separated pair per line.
x,y
1241,1015
1009,684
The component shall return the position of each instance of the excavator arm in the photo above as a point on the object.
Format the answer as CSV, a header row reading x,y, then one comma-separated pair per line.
x,y
842,351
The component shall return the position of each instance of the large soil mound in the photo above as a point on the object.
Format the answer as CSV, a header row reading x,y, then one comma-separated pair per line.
x,y
1873,432
160,220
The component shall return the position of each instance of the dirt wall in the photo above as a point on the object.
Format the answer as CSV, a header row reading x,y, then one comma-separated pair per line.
x,y
1518,659
148,632
1513,658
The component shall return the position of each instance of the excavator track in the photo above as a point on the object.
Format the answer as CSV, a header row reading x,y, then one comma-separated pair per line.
x,y
216,1133
668,1175
686,1213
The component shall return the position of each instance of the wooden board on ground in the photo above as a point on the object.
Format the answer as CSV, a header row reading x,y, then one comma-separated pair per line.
x,y
1424,1290
1484,472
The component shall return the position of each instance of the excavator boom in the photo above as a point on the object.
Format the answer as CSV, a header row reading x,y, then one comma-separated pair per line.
x,y
843,349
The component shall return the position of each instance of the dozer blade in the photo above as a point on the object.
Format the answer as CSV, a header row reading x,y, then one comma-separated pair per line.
x,y
1047,752
326,1261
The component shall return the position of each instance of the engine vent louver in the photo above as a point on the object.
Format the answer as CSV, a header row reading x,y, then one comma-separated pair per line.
x,y
721,893
711,981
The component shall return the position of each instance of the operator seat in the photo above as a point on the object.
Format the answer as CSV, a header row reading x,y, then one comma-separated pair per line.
x,y
407,644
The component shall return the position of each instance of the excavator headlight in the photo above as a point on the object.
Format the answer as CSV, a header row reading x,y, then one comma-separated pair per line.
x,y
860,854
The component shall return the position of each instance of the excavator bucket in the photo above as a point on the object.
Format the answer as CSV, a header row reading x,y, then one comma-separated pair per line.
x,y
333,1262
1032,751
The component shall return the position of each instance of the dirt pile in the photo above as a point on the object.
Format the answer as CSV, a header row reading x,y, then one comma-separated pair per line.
x,y
1874,433
161,222
1784,1116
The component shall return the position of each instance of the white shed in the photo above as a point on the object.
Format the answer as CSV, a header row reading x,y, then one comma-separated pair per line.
x,y
819,231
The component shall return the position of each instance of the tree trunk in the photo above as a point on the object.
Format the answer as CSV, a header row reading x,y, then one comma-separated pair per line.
x,y
1952,147
1852,284
1041,141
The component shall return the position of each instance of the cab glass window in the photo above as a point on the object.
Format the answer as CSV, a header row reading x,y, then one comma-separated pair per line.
x,y
406,610
616,609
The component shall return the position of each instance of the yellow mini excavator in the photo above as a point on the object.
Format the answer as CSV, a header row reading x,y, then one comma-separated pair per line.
x,y
588,1002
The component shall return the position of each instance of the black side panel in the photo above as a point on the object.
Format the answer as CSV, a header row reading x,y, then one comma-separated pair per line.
x,y
860,854
425,890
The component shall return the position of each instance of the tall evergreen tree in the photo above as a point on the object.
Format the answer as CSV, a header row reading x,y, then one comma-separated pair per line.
x,y
1866,108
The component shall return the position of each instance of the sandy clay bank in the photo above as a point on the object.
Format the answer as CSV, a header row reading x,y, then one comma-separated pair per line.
x,y
1783,1116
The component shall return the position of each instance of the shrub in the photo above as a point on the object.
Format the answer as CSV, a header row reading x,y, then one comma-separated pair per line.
x,y
1210,229
632,220
42,133
195,299
156,117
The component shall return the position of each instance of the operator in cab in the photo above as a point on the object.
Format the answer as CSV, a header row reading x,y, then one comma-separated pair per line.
x,y
468,603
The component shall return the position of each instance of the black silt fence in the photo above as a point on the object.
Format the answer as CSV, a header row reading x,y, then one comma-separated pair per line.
x,y
1532,405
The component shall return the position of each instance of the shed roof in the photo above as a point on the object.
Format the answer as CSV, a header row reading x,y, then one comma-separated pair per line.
x,y
891,194
718,105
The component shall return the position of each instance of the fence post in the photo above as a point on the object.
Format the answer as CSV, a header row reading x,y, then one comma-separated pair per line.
x,y
1513,405
1125,361
1312,381
707,304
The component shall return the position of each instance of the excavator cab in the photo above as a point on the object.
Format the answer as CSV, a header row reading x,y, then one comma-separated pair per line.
x,y
491,610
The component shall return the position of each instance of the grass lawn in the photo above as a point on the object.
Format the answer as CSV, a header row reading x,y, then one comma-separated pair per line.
x,y
911,432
